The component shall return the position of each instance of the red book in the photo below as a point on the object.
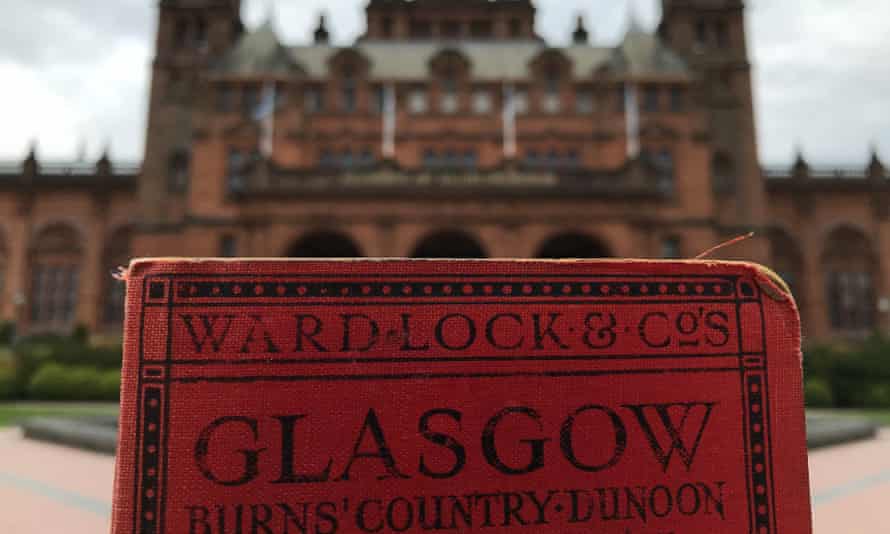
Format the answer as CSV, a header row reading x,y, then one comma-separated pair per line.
x,y
621,397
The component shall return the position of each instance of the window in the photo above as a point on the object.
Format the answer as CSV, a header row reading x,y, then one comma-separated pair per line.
x,y
235,178
515,28
480,29
117,254
313,100
421,29
178,172
677,102
552,103
849,266
723,173
650,99
665,162
721,33
250,100
850,300
228,246
621,100
180,34
520,101
450,29
201,38
482,104
387,26
417,101
348,98
225,98
584,102
449,99
346,159
701,33
55,277
379,102
671,248
450,159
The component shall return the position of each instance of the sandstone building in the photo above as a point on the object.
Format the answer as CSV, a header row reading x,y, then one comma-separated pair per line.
x,y
449,129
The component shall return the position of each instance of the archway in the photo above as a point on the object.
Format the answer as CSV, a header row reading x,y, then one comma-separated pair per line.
x,y
324,244
850,266
449,244
573,245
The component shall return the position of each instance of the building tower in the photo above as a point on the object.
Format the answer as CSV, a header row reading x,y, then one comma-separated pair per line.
x,y
710,34
191,34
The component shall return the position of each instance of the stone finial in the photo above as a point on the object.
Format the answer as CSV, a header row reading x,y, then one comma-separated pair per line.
x,y
581,35
31,166
103,166
801,168
876,169
322,35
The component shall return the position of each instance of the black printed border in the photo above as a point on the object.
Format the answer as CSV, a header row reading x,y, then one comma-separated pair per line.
x,y
153,407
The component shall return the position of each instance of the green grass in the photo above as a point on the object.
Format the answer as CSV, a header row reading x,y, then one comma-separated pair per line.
x,y
12,412
881,417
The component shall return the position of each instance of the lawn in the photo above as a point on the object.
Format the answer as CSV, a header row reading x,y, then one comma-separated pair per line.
x,y
881,417
12,412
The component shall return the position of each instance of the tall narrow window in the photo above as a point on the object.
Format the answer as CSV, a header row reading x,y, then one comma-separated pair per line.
x,y
552,101
178,171
117,254
379,102
313,100
236,180
678,103
520,101
201,36
721,33
515,28
417,101
450,101
228,246
180,33
650,99
701,33
348,91
849,267
387,27
584,102
482,104
55,278
250,100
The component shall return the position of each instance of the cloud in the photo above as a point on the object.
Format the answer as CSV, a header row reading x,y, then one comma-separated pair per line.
x,y
75,70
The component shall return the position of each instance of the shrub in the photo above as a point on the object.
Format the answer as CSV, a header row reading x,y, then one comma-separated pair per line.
x,y
875,396
54,381
7,332
817,394
7,383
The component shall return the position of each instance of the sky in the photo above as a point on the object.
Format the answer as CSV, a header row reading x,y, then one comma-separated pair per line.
x,y
74,73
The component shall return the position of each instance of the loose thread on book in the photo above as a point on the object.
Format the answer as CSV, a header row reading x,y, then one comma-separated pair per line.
x,y
731,242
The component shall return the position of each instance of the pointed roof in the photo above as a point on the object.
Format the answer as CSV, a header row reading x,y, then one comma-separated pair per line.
x,y
642,52
259,52
322,35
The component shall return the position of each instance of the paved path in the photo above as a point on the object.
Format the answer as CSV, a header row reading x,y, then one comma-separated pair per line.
x,y
45,489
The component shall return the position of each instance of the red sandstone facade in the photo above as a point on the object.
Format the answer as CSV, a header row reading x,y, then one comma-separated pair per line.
x,y
449,129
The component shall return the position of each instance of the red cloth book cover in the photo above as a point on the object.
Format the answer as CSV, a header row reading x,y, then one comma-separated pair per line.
x,y
617,397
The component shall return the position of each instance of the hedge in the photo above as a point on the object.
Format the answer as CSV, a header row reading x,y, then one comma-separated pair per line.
x,y
54,381
855,375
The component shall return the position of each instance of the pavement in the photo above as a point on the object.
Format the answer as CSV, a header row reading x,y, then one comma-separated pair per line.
x,y
47,489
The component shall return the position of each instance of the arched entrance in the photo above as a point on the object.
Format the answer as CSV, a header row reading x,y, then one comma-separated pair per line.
x,y
55,259
449,244
324,244
573,245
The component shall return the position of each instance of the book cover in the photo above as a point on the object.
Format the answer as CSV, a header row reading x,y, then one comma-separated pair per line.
x,y
380,396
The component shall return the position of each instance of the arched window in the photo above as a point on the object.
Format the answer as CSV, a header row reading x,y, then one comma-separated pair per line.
x,y
449,244
573,245
348,90
117,254
324,244
849,265
723,173
552,102
55,260
178,171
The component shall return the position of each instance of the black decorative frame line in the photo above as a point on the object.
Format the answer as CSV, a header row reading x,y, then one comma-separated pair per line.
x,y
171,290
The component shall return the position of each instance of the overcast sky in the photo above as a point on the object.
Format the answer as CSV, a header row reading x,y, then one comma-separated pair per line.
x,y
76,71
